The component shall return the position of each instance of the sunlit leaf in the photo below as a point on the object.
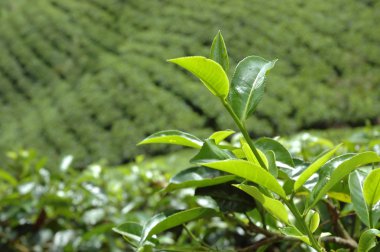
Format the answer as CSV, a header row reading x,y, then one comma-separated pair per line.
x,y
313,168
343,169
131,232
247,85
371,188
273,206
356,190
219,136
249,171
208,71
173,137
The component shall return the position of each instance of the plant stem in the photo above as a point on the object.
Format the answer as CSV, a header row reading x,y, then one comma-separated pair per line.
x,y
244,132
301,222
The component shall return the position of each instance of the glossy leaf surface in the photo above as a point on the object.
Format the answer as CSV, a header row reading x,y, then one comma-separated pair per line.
x,y
249,171
211,152
173,137
228,197
219,136
313,168
356,191
162,221
247,85
219,53
198,177
273,206
312,219
371,188
282,154
208,71
367,240
345,168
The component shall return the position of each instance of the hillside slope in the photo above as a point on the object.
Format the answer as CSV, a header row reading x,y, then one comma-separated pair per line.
x,y
89,78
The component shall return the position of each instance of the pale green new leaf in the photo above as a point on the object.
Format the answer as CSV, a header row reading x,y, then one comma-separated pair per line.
x,y
367,240
312,219
344,169
313,168
371,188
247,85
219,52
295,233
273,206
173,137
249,171
356,191
251,157
219,136
208,71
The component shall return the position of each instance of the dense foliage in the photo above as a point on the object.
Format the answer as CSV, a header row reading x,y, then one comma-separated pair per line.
x,y
83,76
274,199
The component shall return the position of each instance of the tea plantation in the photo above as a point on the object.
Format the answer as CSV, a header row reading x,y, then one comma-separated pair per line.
x,y
89,78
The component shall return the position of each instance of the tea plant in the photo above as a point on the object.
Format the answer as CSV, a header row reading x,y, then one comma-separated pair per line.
x,y
273,197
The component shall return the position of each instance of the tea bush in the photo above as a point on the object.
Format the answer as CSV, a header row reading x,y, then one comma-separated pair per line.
x,y
82,76
274,200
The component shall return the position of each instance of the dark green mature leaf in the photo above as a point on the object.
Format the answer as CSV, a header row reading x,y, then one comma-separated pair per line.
x,y
343,169
249,171
273,206
211,152
162,221
219,136
198,177
356,190
228,198
247,85
208,71
219,52
173,137
371,188
367,240
282,154
313,168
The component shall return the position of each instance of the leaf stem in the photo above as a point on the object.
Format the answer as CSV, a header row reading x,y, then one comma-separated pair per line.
x,y
302,224
244,132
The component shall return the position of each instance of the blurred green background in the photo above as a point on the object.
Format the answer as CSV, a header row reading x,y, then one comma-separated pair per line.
x,y
89,77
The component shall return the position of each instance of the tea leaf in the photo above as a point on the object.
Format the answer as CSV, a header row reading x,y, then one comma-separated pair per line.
x,y
208,71
173,137
247,85
356,190
367,240
249,171
273,206
219,52
313,168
